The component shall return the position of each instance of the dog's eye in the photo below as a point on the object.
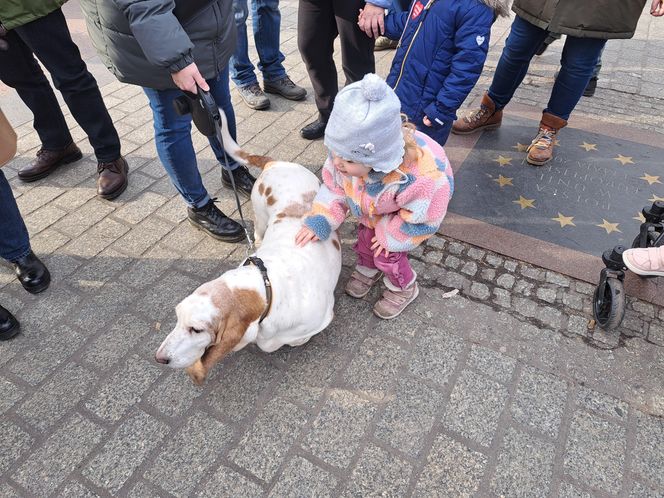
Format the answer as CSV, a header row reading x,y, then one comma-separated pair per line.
x,y
195,331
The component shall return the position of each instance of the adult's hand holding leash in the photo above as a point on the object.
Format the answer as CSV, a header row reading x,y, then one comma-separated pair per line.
x,y
189,79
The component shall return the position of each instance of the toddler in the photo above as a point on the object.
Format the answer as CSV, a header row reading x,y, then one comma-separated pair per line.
x,y
395,180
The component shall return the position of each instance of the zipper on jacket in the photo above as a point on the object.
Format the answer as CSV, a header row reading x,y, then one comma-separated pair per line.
x,y
403,62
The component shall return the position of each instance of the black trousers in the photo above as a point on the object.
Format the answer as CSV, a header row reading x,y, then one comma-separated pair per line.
x,y
319,22
49,39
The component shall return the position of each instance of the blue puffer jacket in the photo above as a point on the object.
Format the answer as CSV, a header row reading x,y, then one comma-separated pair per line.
x,y
440,56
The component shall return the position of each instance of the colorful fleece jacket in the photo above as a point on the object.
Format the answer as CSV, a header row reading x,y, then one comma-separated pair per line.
x,y
405,206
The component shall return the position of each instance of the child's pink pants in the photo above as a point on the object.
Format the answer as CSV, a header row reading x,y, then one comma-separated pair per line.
x,y
395,266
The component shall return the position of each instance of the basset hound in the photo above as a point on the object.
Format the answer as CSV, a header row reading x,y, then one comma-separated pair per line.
x,y
286,296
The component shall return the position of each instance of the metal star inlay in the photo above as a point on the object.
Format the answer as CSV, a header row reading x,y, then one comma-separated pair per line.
x,y
502,181
624,159
520,147
525,203
588,147
650,178
609,227
502,160
655,198
564,220
640,218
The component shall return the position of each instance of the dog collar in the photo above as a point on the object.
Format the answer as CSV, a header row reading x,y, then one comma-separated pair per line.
x,y
258,263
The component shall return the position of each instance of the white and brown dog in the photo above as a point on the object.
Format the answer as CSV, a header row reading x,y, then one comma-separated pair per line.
x,y
290,305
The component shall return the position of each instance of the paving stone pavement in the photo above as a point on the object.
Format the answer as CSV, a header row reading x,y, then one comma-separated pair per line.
x,y
500,390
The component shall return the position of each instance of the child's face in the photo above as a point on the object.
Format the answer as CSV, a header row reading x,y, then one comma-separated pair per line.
x,y
350,168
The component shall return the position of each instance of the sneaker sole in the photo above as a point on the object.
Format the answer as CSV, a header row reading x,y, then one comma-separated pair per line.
x,y
417,293
480,128
534,162
648,273
276,92
230,238
65,160
229,185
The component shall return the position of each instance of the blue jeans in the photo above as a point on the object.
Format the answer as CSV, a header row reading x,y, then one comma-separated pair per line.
x,y
14,242
173,139
578,60
266,20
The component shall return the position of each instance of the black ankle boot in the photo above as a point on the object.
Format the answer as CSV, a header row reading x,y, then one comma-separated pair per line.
x,y
590,88
215,223
244,181
9,325
32,273
313,130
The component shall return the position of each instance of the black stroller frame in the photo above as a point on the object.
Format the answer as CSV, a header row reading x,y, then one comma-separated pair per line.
x,y
609,298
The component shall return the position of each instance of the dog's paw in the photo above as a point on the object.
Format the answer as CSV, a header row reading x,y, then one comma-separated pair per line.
x,y
197,373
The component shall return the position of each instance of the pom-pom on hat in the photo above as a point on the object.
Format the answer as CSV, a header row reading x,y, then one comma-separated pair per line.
x,y
365,125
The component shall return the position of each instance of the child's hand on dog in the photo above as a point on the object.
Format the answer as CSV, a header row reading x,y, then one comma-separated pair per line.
x,y
304,236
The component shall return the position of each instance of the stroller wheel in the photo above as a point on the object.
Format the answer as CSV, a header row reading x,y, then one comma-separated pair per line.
x,y
609,304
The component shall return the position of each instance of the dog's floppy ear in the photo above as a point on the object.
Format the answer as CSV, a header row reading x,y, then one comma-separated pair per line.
x,y
243,307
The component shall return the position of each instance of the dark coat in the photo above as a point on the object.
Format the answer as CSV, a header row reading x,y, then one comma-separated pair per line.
x,y
604,19
143,43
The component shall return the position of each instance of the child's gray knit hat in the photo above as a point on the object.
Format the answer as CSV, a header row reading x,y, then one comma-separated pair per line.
x,y
365,125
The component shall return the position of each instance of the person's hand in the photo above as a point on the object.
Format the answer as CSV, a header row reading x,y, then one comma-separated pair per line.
x,y
657,8
3,43
187,78
377,248
372,20
427,122
304,236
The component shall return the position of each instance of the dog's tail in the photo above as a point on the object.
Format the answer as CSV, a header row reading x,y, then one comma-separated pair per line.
x,y
236,152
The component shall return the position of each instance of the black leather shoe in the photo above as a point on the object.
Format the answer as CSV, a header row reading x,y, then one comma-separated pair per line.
x,y
244,181
32,273
9,325
313,130
215,223
590,88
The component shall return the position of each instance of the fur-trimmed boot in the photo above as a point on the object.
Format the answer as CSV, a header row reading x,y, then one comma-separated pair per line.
x,y
540,150
484,118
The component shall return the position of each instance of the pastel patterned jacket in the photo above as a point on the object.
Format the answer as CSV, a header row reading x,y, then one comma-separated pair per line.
x,y
405,206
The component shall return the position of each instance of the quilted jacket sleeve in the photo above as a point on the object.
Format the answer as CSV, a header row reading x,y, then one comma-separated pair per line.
x,y
395,22
329,208
471,42
160,35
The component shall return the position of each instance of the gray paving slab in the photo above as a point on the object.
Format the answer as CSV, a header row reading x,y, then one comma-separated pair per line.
x,y
500,390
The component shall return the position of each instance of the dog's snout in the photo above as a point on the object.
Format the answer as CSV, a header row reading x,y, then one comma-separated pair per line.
x,y
162,360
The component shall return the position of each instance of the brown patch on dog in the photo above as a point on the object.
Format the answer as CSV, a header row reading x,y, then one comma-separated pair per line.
x,y
308,197
253,160
276,221
336,244
268,191
298,209
261,188
270,200
238,308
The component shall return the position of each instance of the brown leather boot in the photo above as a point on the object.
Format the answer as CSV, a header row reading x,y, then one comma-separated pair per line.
x,y
484,118
112,179
48,161
540,151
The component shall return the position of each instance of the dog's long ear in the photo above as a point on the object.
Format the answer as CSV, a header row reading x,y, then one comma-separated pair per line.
x,y
244,307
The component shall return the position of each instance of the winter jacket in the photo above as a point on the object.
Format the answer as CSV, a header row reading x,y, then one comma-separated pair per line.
x,y
405,206
604,19
15,13
442,48
142,42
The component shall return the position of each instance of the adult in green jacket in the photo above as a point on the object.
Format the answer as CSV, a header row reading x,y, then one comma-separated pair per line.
x,y
587,25
38,28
